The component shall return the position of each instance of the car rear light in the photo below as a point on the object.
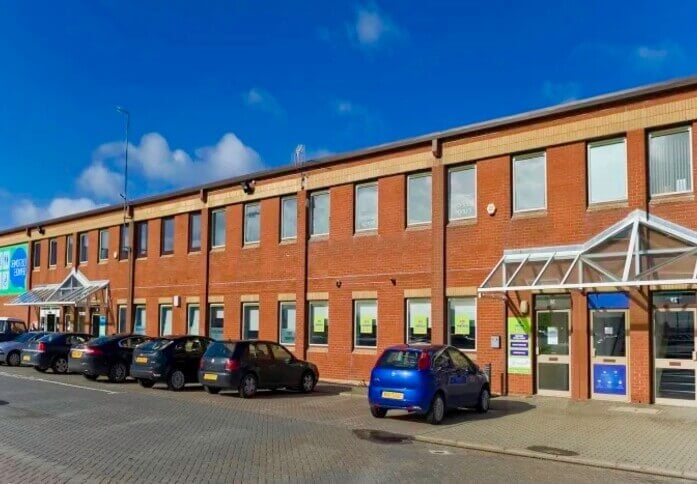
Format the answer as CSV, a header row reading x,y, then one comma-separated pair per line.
x,y
41,347
94,351
202,364
232,365
424,362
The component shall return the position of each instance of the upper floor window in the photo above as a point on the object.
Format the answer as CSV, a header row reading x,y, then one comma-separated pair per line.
x,y
289,218
68,250
419,199
670,161
194,232
141,239
251,223
36,254
462,194
366,207
529,182
52,252
123,243
319,213
103,244
167,236
84,247
218,228
607,171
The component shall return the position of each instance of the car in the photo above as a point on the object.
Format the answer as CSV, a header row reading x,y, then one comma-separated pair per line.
x,y
250,365
51,351
426,379
10,328
109,356
11,351
173,360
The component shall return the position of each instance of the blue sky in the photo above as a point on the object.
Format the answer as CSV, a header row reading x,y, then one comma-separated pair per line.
x,y
220,88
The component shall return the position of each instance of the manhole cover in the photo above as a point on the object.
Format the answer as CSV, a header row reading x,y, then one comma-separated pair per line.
x,y
382,437
552,450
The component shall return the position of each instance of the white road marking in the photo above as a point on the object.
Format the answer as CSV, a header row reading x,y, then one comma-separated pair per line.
x,y
42,380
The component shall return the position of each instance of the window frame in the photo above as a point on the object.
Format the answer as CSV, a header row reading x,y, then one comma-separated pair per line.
x,y
36,254
211,308
161,309
313,195
407,314
141,252
355,206
190,242
412,176
470,166
80,237
280,322
665,132
310,316
222,212
295,232
356,323
606,142
52,252
244,327
245,226
140,309
124,233
69,245
163,227
448,323
189,307
103,232
122,324
522,157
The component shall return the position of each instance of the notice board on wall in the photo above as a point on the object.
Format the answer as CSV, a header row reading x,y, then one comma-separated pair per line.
x,y
519,350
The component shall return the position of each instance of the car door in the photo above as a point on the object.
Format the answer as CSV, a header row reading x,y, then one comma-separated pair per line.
x,y
288,371
465,378
445,375
263,360
194,349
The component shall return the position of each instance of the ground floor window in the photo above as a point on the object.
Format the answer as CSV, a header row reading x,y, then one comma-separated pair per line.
x,y
418,321
366,323
122,323
319,322
216,321
165,320
287,323
193,316
250,321
140,319
462,323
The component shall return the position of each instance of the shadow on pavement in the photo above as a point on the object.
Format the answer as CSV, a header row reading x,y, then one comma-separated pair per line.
x,y
498,408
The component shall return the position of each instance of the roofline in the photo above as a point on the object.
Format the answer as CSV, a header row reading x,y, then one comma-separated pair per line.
x,y
505,121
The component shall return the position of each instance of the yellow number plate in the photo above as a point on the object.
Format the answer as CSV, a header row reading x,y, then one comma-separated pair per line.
x,y
26,358
393,395
141,359
210,376
76,354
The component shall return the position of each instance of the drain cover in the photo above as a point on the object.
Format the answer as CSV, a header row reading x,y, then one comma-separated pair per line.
x,y
543,449
382,437
439,452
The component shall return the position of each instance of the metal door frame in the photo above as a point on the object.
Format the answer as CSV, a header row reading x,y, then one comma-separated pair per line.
x,y
611,359
670,363
553,359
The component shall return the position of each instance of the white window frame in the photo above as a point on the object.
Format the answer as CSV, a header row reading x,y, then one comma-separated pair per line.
x,y
122,326
137,310
245,228
189,307
356,323
407,313
411,177
310,321
664,132
190,248
69,249
53,249
87,248
312,213
605,142
245,322
280,322
160,321
101,248
36,258
293,237
472,167
211,308
355,206
219,211
476,322
527,156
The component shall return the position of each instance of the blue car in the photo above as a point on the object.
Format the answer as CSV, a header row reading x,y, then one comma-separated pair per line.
x,y
426,379
10,351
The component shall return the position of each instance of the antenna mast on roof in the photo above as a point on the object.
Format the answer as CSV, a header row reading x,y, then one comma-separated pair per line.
x,y
299,155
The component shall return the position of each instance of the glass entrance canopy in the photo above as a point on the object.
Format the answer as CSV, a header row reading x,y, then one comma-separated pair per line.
x,y
640,250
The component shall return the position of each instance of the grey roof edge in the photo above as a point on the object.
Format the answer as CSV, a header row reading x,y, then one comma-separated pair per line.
x,y
634,93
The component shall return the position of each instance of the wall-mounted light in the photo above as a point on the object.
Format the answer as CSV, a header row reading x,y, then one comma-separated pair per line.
x,y
248,186
42,231
338,284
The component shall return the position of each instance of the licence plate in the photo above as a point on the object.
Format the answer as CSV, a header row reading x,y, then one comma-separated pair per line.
x,y
26,358
393,395
210,376
76,354
141,359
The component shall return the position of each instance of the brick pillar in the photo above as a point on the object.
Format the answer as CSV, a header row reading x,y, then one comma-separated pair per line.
x,y
637,170
640,366
438,310
301,276
205,268
580,347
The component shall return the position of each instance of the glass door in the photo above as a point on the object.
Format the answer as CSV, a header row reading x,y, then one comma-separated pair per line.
x,y
553,358
609,342
675,358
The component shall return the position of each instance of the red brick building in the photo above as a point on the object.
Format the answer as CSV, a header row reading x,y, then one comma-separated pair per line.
x,y
557,246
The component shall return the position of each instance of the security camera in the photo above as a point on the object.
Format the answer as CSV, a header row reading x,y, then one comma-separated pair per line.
x,y
248,186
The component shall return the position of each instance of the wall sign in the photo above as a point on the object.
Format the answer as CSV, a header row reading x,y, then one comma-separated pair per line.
x,y
13,269
519,338
610,379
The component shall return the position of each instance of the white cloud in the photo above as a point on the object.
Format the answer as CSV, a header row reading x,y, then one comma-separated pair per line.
x,y
263,100
26,211
658,56
317,153
101,182
371,27
561,92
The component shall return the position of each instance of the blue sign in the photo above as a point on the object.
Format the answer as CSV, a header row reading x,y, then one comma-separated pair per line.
x,y
102,325
610,379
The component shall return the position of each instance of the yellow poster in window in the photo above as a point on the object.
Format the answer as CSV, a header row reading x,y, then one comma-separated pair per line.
x,y
462,325
420,325
366,325
319,324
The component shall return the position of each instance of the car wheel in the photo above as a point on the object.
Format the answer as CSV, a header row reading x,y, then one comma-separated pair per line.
x,y
146,383
60,365
212,390
483,402
307,384
41,369
117,373
248,386
13,359
90,377
378,412
436,413
176,380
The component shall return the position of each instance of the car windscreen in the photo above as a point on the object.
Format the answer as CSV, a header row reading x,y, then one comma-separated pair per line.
x,y
399,359
220,350
155,345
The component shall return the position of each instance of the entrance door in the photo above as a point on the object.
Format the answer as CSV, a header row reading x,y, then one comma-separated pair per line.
x,y
674,350
51,323
609,343
553,362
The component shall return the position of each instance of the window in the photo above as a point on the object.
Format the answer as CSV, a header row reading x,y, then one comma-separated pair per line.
x,y
193,316
122,323
216,320
218,228
529,182
418,321
103,244
123,241
83,249
607,171
165,320
319,213
52,252
280,353
141,239
419,199
287,323
289,218
462,323
366,323
36,255
167,236
462,193
670,161
251,223
250,321
68,250
140,320
319,322
194,232
366,207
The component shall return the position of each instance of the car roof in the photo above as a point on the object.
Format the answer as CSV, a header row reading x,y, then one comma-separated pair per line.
x,y
174,337
6,318
246,341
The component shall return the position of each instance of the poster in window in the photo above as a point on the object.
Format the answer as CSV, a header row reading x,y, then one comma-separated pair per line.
x,y
462,325
366,325
552,335
420,325
319,324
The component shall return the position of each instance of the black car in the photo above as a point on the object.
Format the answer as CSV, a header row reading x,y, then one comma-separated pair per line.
x,y
10,328
51,351
109,356
247,366
171,359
